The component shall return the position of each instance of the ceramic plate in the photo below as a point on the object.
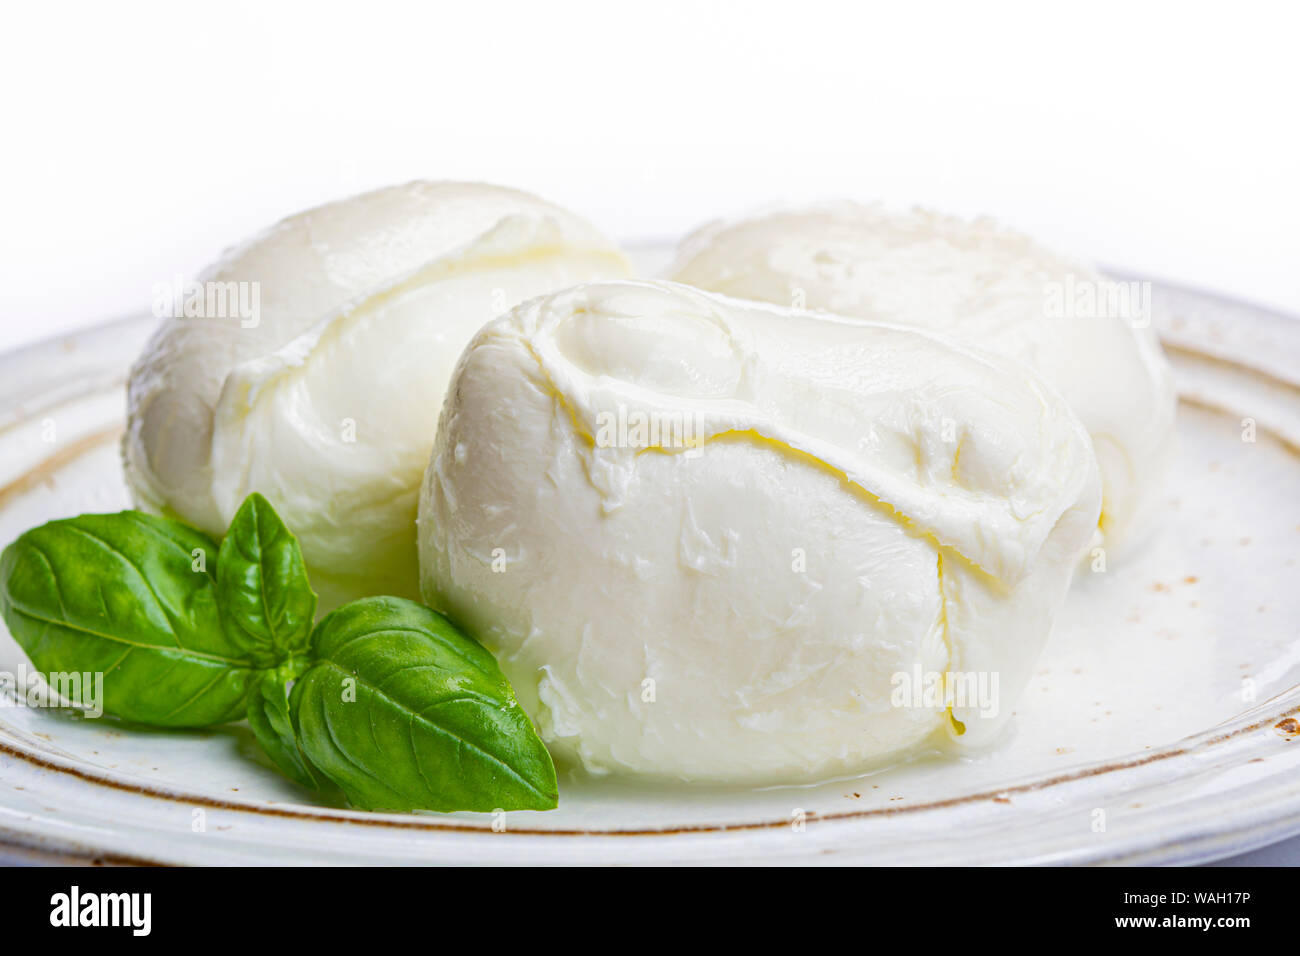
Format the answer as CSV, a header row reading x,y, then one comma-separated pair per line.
x,y
1159,727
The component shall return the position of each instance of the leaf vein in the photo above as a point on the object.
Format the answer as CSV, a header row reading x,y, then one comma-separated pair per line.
x,y
442,731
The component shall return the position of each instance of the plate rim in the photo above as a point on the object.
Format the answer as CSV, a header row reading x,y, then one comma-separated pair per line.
x,y
1259,828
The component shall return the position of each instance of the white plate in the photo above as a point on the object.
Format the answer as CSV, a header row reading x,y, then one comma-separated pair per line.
x,y
1159,728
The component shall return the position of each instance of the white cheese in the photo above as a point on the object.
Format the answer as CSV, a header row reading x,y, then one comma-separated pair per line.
x,y
991,287
707,538
327,404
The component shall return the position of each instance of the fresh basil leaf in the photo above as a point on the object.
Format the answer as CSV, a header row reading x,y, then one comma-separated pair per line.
x,y
267,604
133,597
404,712
268,715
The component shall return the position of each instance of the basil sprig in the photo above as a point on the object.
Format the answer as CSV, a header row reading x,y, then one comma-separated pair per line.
x,y
384,699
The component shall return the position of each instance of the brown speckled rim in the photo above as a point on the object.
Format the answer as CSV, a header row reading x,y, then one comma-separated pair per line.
x,y
20,849
1284,722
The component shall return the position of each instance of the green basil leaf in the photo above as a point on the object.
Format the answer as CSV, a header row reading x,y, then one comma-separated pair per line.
x,y
268,715
132,597
404,712
267,604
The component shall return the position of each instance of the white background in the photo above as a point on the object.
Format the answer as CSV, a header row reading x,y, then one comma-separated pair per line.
x,y
138,141
141,140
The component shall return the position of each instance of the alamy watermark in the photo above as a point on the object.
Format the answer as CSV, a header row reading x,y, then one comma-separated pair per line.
x,y
944,690
1073,298
83,690
133,911
182,299
637,429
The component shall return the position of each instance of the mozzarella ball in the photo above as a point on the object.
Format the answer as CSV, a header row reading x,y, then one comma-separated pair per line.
x,y
324,397
711,539
992,288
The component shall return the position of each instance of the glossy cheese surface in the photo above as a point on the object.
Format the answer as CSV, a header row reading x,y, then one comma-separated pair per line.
x,y
988,286
706,536
327,403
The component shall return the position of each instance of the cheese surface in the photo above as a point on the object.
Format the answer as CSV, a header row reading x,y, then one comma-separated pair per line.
x,y
326,402
991,287
706,537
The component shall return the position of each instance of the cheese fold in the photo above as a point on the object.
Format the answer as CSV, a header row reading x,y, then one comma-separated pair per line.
x,y
993,288
708,539
326,401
